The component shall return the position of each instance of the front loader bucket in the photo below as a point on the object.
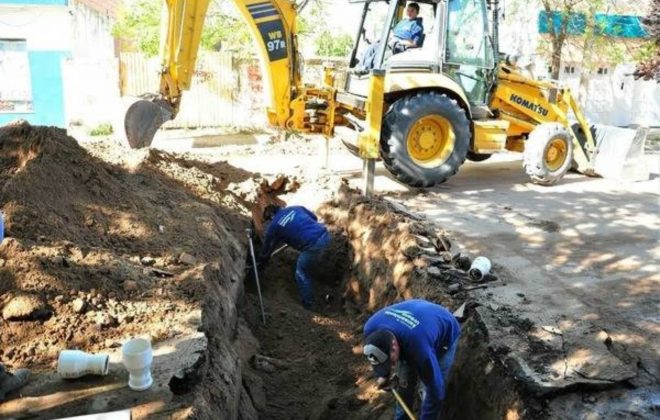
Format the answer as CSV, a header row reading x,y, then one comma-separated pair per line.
x,y
143,119
619,152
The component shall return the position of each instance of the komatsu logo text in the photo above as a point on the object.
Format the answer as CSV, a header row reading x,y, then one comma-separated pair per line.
x,y
529,105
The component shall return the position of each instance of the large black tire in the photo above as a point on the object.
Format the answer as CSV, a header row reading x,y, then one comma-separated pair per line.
x,y
542,166
398,121
478,157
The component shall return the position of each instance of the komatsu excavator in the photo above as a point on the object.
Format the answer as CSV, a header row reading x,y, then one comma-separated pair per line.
x,y
422,111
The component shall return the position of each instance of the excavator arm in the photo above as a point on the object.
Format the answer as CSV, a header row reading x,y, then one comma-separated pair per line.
x,y
271,22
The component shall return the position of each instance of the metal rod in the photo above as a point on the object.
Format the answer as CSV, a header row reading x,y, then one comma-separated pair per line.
x,y
278,250
403,405
256,276
368,169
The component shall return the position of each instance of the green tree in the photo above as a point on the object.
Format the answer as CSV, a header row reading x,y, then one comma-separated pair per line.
x,y
313,29
648,55
330,45
138,26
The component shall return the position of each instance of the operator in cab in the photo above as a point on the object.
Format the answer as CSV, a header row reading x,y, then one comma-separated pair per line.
x,y
300,229
408,33
410,341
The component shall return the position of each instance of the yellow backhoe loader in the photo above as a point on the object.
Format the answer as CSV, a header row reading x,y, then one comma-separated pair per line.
x,y
422,111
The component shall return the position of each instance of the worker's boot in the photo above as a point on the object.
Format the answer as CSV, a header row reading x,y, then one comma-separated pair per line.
x,y
12,381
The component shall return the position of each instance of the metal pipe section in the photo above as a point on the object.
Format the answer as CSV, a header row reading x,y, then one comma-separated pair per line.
x,y
495,4
256,275
380,55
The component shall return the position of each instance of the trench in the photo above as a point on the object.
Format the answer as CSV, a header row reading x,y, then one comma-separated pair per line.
x,y
310,364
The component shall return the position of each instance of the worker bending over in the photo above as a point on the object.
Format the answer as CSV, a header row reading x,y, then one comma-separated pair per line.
x,y
410,340
298,228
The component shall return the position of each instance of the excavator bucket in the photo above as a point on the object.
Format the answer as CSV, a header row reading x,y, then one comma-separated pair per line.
x,y
143,119
619,152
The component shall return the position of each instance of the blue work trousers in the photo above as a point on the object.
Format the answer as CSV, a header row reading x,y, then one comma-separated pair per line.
x,y
308,262
408,379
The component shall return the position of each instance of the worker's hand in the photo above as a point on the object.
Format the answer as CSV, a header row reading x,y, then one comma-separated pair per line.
x,y
386,384
383,384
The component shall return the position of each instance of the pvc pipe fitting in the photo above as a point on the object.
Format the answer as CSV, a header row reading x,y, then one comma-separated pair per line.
x,y
137,356
480,267
76,363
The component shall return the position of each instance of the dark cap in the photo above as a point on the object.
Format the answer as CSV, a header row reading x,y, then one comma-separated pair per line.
x,y
377,348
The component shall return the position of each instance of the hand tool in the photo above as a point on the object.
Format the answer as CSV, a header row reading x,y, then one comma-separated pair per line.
x,y
256,275
403,405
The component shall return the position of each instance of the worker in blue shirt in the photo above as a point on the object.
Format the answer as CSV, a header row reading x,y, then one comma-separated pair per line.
x,y
298,228
409,32
414,339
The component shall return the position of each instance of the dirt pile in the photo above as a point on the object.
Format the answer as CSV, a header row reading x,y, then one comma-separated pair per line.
x,y
396,255
101,253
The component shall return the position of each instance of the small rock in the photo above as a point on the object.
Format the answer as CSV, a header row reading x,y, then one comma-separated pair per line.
x,y
130,285
105,320
522,295
125,319
187,259
60,261
111,344
263,366
25,307
161,229
59,298
79,305
148,261
433,271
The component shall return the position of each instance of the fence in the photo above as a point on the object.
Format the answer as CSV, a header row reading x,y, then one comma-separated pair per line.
x,y
225,90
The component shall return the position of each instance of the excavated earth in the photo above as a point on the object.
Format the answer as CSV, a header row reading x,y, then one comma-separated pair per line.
x,y
104,244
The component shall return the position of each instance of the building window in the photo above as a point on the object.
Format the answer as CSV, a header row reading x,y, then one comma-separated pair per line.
x,y
569,69
15,86
603,70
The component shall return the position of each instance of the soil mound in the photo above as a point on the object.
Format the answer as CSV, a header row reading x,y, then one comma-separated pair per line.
x,y
109,252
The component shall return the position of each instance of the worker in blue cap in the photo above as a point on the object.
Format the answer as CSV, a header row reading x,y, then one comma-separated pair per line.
x,y
413,340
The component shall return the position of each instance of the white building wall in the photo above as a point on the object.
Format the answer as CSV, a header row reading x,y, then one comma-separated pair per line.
x,y
46,28
91,75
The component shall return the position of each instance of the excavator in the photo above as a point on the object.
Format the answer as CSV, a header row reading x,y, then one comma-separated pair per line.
x,y
422,111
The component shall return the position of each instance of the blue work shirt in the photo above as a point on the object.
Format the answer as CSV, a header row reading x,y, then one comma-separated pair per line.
x,y
295,226
409,30
424,330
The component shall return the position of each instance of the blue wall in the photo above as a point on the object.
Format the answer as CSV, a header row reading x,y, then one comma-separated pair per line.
x,y
47,90
40,2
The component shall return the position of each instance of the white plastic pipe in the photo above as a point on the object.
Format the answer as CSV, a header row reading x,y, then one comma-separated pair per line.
x,y
76,363
480,267
137,356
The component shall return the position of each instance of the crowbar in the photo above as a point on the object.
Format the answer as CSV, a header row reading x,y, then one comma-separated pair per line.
x,y
403,405
256,275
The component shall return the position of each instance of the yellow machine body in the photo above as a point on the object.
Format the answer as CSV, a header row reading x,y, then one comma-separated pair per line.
x,y
517,104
